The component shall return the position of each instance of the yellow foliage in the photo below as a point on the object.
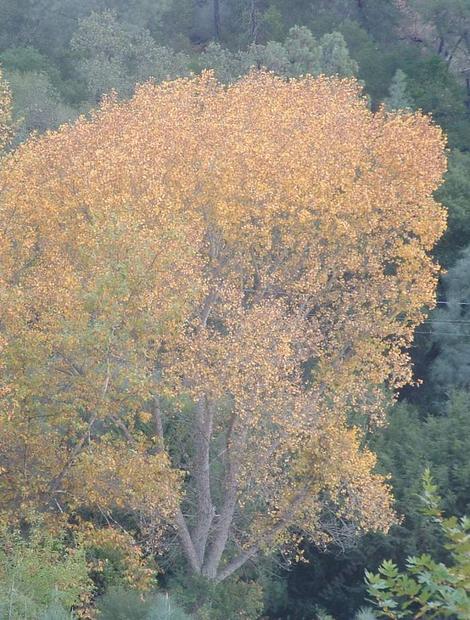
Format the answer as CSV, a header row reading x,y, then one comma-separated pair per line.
x,y
259,251
5,114
110,544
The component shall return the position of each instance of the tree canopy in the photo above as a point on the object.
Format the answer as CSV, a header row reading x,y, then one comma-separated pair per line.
x,y
200,289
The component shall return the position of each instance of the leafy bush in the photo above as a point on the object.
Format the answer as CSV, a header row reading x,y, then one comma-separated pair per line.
x,y
322,614
116,561
428,589
36,103
164,608
26,60
56,612
365,613
232,599
39,576
122,604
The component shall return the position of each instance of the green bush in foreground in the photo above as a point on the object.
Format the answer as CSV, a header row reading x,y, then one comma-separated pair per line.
x,y
39,576
428,589
120,604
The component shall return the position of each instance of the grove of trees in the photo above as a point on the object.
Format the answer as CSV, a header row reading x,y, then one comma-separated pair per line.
x,y
222,375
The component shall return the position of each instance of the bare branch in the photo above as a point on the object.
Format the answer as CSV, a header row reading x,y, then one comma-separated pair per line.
x,y
283,521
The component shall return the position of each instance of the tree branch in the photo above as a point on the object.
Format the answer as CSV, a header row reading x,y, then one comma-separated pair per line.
x,y
157,421
224,521
204,508
268,536
186,542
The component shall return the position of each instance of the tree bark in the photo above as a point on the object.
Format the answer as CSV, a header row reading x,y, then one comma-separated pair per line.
x,y
454,50
440,48
225,519
187,543
253,22
204,508
217,20
269,536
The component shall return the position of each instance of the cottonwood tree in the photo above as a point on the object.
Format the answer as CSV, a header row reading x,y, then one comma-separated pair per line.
x,y
199,288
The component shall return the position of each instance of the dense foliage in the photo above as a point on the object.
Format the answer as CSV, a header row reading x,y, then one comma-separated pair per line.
x,y
40,573
428,589
81,320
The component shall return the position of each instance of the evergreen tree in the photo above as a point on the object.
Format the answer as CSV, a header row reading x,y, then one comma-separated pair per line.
x,y
115,55
455,195
398,98
450,326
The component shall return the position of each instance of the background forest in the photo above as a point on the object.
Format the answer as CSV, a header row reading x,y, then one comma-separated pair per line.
x,y
61,56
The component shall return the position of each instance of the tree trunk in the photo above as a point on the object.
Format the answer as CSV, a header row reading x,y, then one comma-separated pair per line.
x,y
454,50
204,508
217,20
253,22
221,530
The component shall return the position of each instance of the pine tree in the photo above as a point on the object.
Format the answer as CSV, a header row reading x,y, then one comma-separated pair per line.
x,y
399,98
